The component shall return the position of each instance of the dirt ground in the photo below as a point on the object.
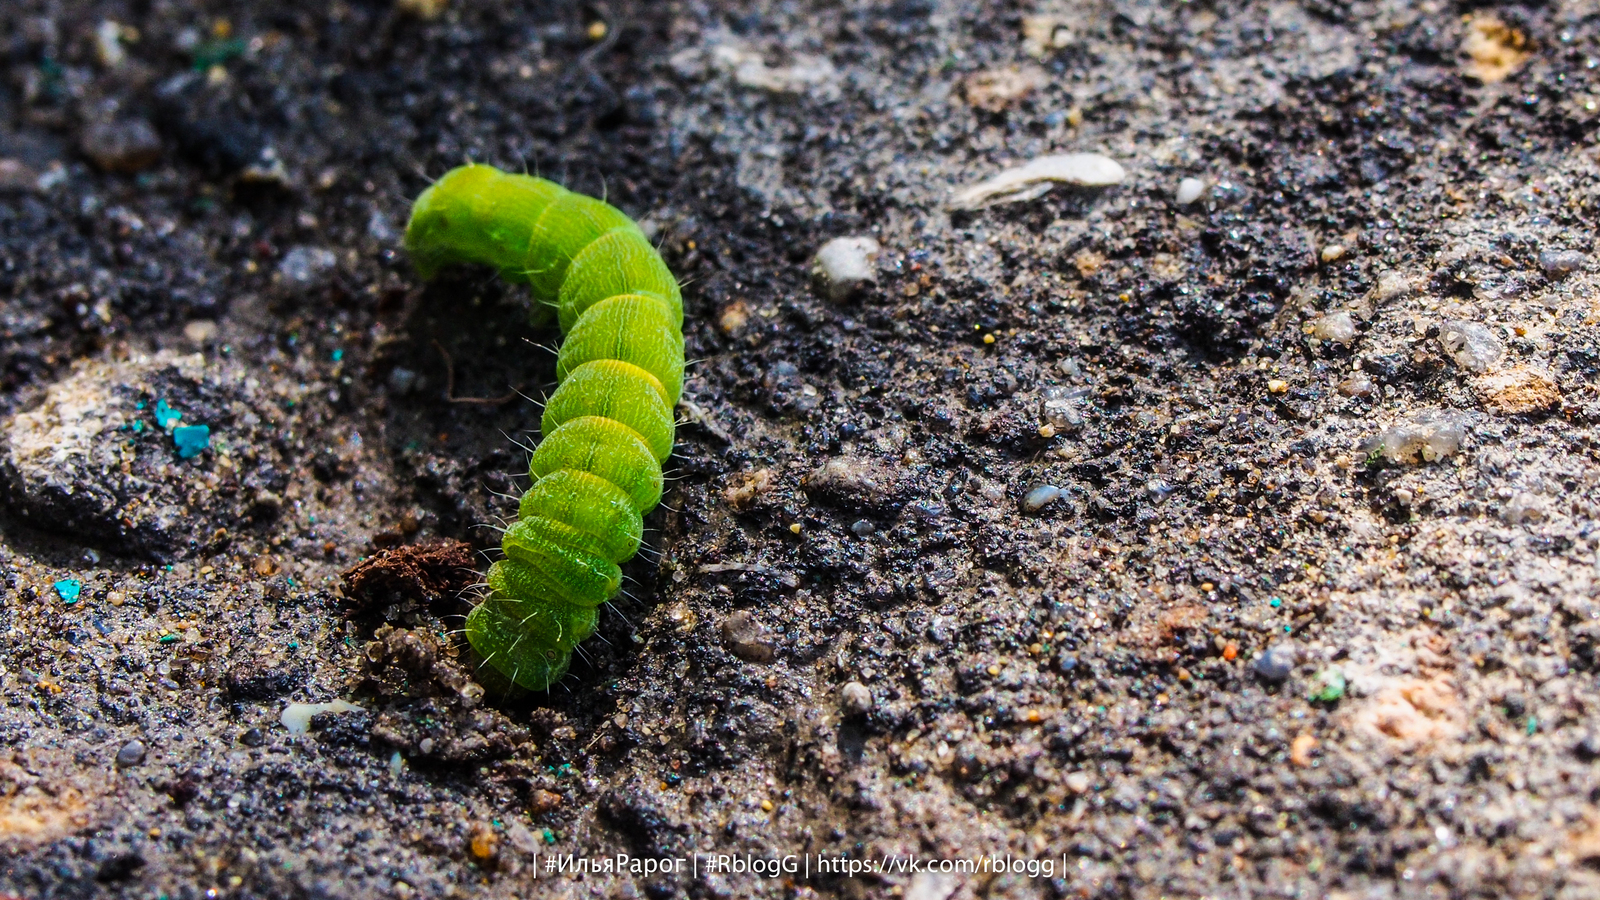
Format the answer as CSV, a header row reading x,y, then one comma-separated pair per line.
x,y
1227,531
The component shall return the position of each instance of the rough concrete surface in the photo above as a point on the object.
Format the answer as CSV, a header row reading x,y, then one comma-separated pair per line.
x,y
1224,528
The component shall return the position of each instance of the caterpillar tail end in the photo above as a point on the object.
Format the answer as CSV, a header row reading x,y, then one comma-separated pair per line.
x,y
499,642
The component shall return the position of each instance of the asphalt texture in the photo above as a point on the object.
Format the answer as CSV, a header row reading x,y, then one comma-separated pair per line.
x,y
1228,530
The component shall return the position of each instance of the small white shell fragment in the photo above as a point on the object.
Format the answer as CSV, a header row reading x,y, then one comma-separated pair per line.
x,y
843,265
807,75
297,716
1189,190
1033,179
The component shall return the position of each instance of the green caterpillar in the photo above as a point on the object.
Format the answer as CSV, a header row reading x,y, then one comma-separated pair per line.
x,y
609,424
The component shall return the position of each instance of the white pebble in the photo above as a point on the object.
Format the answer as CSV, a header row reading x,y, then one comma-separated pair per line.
x,y
108,44
1524,507
1189,190
306,265
1473,346
855,699
1392,286
1335,327
843,265
1427,438
1041,496
200,331
297,716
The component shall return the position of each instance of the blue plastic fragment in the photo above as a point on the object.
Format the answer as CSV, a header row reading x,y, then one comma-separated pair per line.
x,y
68,589
138,425
192,440
166,416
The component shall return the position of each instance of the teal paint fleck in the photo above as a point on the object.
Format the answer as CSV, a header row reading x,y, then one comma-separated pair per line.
x,y
138,425
166,416
68,589
192,440
168,638
217,52
1276,602
549,836
338,355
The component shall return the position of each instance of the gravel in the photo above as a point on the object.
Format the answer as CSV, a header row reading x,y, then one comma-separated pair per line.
x,y
131,754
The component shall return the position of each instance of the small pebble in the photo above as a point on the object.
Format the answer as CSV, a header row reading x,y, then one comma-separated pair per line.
x,y
747,638
1333,253
253,737
297,716
845,265
401,380
1335,327
855,699
484,842
108,44
1276,663
122,145
1067,664
306,265
1518,390
1558,264
1472,345
1300,750
15,176
131,754
1392,286
1524,508
1429,437
1358,385
1040,496
863,528
1077,782
1189,190
1062,407
200,331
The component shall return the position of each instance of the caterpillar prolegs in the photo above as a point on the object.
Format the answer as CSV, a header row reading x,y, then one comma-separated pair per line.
x,y
609,424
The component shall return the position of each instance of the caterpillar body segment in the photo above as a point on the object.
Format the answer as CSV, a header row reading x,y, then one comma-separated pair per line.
x,y
607,427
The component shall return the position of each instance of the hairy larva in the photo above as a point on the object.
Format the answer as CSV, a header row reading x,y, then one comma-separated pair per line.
x,y
609,424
